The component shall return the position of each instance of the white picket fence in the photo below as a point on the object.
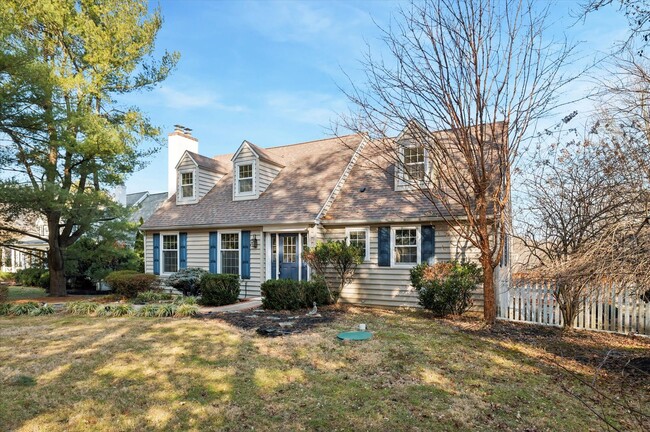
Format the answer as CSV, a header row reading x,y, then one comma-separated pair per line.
x,y
607,308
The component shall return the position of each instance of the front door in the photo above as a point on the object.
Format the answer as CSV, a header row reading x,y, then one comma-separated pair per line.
x,y
288,258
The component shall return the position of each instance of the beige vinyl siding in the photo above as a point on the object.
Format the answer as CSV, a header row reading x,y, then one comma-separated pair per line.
x,y
390,286
148,252
265,175
198,255
207,180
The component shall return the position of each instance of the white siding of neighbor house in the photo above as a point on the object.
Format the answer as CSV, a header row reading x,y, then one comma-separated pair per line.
x,y
390,286
198,255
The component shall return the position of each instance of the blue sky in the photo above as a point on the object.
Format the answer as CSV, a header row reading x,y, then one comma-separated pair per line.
x,y
269,72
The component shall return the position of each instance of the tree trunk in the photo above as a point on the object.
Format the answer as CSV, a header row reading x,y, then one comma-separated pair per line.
x,y
55,260
489,305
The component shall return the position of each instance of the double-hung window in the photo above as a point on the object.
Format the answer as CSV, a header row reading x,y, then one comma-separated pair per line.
x,y
359,237
187,184
245,179
405,245
170,253
414,163
229,253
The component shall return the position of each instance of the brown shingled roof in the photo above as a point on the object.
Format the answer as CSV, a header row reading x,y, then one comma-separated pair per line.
x,y
264,155
311,171
209,163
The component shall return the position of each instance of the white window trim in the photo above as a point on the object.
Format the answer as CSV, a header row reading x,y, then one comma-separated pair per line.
x,y
180,199
418,243
348,230
180,177
253,192
162,250
219,250
400,183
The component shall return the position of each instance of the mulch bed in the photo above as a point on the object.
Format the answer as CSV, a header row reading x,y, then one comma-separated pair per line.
x,y
610,352
276,323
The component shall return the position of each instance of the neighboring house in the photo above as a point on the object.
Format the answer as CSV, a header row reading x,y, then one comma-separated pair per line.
x,y
253,212
24,251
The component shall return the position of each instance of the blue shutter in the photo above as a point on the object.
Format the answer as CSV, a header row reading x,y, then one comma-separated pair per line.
x,y
245,254
156,254
182,250
384,246
428,247
214,238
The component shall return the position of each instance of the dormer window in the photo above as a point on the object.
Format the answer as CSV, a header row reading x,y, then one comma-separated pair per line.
x,y
414,163
187,184
245,184
413,168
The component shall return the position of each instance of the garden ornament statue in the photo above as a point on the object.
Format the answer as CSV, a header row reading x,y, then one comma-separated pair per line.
x,y
313,310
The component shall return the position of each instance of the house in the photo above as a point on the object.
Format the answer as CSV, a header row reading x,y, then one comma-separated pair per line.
x,y
253,212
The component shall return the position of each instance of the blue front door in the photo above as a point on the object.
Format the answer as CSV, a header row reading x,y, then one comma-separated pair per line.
x,y
288,256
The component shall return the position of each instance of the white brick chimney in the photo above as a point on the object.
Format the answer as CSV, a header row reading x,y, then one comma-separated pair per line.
x,y
179,141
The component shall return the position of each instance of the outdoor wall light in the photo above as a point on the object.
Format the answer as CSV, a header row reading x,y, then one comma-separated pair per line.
x,y
254,241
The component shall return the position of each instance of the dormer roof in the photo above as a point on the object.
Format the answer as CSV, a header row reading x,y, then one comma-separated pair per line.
x,y
260,153
204,162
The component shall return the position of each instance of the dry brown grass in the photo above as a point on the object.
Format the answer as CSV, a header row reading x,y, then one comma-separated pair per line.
x,y
81,373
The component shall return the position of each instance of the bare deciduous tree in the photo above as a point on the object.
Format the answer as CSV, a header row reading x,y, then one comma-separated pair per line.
x,y
480,70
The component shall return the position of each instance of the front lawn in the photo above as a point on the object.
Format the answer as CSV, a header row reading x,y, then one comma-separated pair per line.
x,y
84,373
25,293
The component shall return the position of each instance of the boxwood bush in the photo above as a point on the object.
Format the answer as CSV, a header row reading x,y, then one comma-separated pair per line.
x,y
129,283
446,288
285,294
219,289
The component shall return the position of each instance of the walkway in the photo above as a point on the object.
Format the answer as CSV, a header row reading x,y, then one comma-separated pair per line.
x,y
251,303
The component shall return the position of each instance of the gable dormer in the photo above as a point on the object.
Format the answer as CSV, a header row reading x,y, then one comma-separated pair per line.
x,y
413,165
195,176
253,171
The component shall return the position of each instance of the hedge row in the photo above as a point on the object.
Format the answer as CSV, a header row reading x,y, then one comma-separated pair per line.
x,y
129,283
285,294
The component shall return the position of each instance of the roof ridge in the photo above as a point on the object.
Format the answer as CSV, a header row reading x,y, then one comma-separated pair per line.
x,y
309,142
285,145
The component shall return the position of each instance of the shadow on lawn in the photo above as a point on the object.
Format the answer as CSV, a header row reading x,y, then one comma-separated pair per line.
x,y
156,374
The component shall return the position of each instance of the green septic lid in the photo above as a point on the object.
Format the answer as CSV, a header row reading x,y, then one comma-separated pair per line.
x,y
355,335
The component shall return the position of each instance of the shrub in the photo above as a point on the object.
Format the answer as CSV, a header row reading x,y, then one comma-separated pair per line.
x,y
166,310
33,276
285,294
446,288
152,296
5,308
6,276
186,310
187,280
282,294
219,289
185,300
45,309
4,293
118,310
335,263
81,308
150,310
129,283
23,308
